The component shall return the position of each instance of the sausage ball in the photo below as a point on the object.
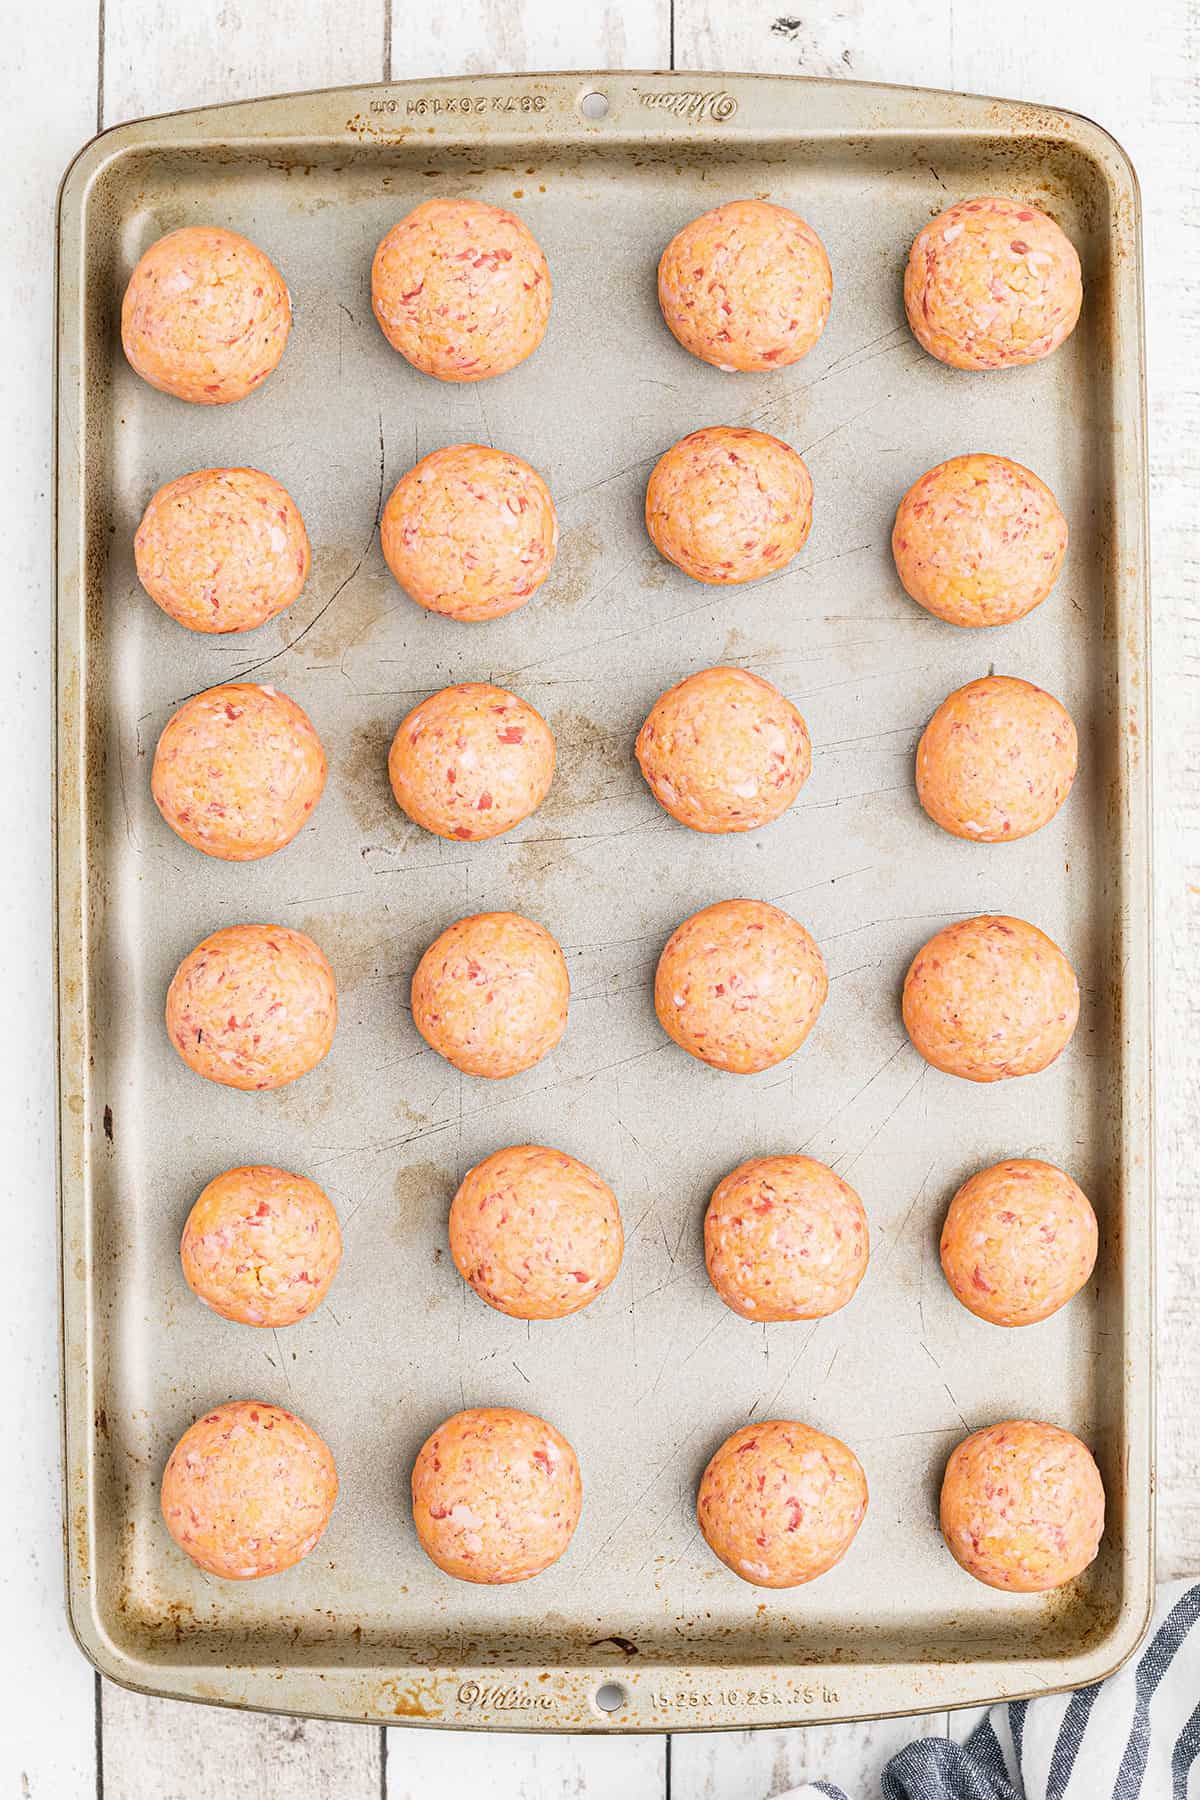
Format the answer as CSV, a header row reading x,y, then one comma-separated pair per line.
x,y
991,284
785,1238
471,762
1019,1241
248,1490
780,1503
261,1246
252,1006
237,771
490,994
990,998
1022,1506
536,1233
739,985
496,1495
979,541
724,751
470,532
728,504
206,315
461,289
746,286
222,549
997,760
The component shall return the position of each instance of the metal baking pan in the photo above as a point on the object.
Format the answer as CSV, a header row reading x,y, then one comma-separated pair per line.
x,y
651,1378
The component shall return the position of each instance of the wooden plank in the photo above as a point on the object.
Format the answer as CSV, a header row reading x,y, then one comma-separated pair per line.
x,y
46,1688
166,1750
748,1765
158,59
473,37
447,1765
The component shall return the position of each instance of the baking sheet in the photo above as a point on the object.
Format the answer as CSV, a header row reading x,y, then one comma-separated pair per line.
x,y
651,1378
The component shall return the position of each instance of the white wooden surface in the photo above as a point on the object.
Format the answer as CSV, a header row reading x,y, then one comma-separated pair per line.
x,y
70,63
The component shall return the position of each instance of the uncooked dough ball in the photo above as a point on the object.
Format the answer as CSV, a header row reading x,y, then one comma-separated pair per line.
x,y
222,549
461,289
728,504
1022,1506
740,985
252,1006
746,286
472,761
979,540
237,771
785,1238
997,760
780,1503
248,1490
989,998
261,1246
991,284
206,315
496,1495
1019,1241
490,994
724,751
470,532
536,1233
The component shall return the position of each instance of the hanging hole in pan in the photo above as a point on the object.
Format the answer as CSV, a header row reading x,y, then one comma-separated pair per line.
x,y
610,1697
594,105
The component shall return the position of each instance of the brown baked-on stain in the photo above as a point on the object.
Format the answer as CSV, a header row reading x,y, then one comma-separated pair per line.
x,y
421,1189
360,769
108,1123
348,591
589,755
360,946
573,576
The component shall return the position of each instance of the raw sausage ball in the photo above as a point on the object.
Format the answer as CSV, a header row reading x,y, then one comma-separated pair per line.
x,y
470,532
728,504
496,1495
252,1006
1022,1506
746,286
248,1490
472,761
989,998
261,1246
785,1238
979,540
724,751
206,315
997,760
461,289
739,985
222,549
780,1503
1019,1241
490,994
237,771
991,284
535,1233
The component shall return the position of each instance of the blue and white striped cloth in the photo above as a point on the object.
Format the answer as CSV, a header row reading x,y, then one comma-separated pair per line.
x,y
1135,1736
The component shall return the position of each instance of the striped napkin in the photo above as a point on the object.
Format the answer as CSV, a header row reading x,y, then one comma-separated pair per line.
x,y
1135,1736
